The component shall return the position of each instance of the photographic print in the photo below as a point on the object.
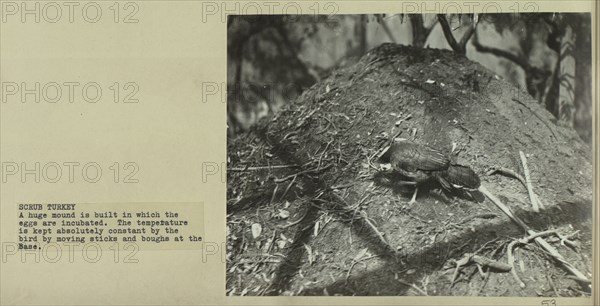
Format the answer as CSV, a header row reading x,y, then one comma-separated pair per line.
x,y
410,155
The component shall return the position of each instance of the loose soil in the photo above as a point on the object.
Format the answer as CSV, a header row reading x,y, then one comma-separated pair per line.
x,y
330,222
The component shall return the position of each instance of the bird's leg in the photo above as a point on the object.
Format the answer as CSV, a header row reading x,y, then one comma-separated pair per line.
x,y
414,197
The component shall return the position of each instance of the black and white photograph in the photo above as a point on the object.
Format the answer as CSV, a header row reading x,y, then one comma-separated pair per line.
x,y
410,155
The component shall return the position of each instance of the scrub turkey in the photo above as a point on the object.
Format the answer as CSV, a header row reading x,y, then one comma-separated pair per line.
x,y
420,164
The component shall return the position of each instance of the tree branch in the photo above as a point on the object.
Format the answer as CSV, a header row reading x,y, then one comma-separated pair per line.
x,y
519,60
448,34
522,62
420,33
467,36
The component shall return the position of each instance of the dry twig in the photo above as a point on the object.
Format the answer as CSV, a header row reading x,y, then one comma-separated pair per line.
x,y
537,115
469,258
379,234
509,172
354,262
261,168
293,176
539,240
534,203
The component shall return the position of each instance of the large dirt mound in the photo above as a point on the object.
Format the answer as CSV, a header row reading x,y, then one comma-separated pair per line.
x,y
329,222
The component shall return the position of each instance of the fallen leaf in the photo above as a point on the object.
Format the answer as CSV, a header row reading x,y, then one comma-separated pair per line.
x,y
256,230
283,214
281,244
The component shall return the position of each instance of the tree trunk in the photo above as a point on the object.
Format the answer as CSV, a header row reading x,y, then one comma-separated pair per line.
x,y
583,79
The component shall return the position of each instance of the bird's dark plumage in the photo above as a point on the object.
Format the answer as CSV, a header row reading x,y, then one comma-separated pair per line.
x,y
458,177
415,161
421,163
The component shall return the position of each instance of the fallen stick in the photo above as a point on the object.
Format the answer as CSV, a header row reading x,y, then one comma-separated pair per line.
x,y
509,172
261,168
583,280
351,212
534,203
288,188
484,261
502,207
511,259
537,115
554,253
481,260
354,262
274,193
293,176
511,262
567,240
379,234
539,240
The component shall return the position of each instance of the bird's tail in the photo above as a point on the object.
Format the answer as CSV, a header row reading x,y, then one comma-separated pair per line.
x,y
458,177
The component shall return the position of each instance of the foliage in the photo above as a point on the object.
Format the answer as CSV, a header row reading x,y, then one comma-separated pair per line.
x,y
267,49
